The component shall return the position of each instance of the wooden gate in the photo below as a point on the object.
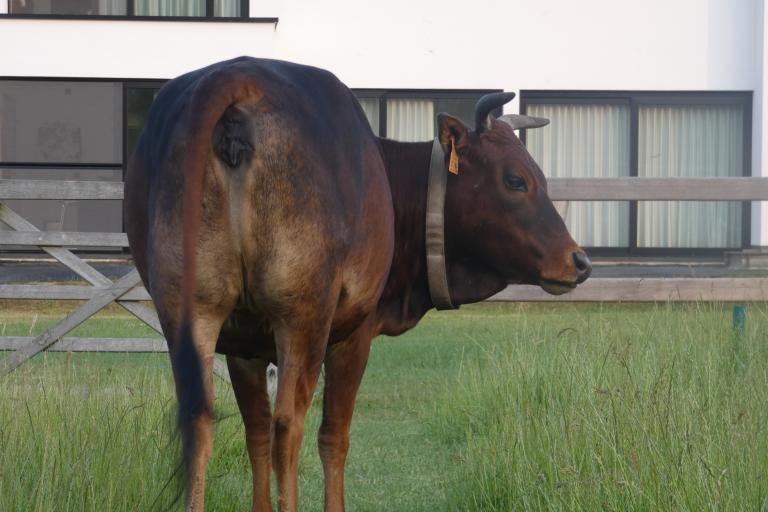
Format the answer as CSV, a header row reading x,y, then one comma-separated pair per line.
x,y
127,291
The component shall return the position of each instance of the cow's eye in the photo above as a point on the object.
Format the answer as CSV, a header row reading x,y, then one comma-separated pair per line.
x,y
515,182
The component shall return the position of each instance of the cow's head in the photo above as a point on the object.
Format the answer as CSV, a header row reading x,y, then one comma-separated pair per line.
x,y
498,215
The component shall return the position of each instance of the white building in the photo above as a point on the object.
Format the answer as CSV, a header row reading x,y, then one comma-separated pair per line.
x,y
648,88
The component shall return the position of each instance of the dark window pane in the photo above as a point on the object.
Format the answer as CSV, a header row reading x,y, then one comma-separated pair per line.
x,y
56,215
138,100
463,108
61,122
69,7
170,8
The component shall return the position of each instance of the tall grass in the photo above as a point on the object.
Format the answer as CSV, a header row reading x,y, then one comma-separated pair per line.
x,y
613,411
493,407
71,437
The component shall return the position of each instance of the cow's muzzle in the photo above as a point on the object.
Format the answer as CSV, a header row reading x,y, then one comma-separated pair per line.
x,y
582,268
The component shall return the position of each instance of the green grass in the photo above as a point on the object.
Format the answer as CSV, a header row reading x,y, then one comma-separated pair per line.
x,y
493,407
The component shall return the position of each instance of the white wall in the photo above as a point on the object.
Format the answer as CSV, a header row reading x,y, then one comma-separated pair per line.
x,y
514,44
125,49
520,44
760,128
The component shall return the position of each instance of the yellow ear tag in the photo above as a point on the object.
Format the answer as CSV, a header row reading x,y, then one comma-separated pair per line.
x,y
453,162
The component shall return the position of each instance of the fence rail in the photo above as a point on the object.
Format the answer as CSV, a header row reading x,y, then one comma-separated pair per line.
x,y
128,292
63,190
560,189
685,289
64,239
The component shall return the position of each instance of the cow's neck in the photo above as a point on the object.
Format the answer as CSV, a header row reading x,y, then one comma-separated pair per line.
x,y
406,295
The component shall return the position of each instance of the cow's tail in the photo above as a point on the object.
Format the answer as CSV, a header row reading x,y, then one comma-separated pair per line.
x,y
213,95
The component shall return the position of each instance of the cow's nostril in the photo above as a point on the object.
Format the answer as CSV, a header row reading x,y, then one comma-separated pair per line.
x,y
583,265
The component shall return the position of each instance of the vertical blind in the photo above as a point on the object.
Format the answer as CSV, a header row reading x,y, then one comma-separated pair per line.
x,y
410,120
226,8
170,7
586,141
690,141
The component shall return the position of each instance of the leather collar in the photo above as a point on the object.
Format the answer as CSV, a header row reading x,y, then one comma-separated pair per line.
x,y
435,230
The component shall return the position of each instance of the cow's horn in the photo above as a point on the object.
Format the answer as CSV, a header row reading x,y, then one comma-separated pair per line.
x,y
518,122
485,105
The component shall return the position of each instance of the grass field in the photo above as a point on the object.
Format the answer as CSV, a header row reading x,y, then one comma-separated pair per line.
x,y
493,407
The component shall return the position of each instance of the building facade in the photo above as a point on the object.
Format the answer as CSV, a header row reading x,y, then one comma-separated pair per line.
x,y
649,88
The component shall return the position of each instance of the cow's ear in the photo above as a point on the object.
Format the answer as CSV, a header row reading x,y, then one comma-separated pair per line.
x,y
451,128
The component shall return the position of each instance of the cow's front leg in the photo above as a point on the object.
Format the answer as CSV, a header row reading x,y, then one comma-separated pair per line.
x,y
249,381
344,366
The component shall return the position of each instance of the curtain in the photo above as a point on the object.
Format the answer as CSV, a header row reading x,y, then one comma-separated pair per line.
x,y
371,109
695,141
226,8
410,120
586,141
170,7
112,7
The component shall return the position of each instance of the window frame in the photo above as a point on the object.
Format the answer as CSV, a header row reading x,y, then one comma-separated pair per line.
x,y
130,16
635,100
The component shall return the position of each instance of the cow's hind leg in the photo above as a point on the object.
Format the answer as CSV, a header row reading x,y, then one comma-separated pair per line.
x,y
192,362
249,381
300,352
344,366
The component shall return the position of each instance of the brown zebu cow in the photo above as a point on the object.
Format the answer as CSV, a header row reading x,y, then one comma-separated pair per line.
x,y
270,224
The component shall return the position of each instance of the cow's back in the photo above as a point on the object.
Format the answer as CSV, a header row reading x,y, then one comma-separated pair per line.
x,y
304,205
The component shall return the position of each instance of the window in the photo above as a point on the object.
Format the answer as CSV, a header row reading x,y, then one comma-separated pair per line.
x,y
63,130
695,141
151,8
589,140
596,134
409,116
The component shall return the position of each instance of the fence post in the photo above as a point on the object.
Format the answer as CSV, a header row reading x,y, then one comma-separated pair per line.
x,y
739,320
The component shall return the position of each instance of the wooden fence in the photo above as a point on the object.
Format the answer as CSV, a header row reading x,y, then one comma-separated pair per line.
x,y
130,294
